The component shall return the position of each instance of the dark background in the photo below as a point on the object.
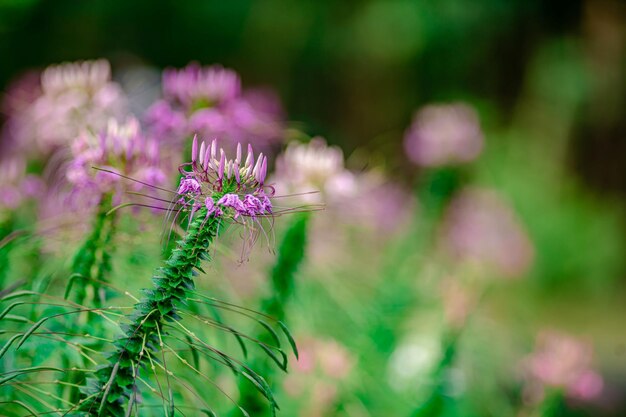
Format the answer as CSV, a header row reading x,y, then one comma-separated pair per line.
x,y
355,71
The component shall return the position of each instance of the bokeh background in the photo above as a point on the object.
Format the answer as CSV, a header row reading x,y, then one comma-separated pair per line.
x,y
548,81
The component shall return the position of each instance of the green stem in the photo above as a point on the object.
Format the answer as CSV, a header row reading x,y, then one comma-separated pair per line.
x,y
435,403
6,227
396,295
92,262
552,404
114,385
290,256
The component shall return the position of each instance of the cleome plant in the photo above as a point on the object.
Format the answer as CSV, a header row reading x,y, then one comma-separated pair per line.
x,y
131,375
132,283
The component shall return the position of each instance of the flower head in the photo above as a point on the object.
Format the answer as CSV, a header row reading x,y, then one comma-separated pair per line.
x,y
121,150
72,97
195,86
225,187
444,135
209,101
314,170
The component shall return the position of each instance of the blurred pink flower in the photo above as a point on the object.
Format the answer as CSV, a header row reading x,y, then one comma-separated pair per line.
x,y
193,84
209,102
334,360
377,204
314,173
481,229
15,185
562,361
120,148
318,373
16,100
444,134
20,93
73,97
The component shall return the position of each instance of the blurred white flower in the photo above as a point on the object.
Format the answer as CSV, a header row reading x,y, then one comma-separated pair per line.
x,y
411,359
314,171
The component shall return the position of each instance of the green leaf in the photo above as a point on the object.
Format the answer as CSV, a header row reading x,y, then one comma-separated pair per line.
x,y
30,332
194,352
261,385
282,364
8,344
29,370
70,283
9,308
270,331
13,317
292,342
24,406
165,308
18,294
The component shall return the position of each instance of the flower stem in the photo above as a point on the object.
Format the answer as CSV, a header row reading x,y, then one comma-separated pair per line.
x,y
6,227
114,385
92,262
396,295
552,404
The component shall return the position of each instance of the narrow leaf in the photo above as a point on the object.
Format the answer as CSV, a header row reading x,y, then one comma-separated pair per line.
x,y
292,342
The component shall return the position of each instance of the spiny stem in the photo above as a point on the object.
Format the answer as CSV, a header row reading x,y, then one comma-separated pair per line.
x,y
92,261
114,385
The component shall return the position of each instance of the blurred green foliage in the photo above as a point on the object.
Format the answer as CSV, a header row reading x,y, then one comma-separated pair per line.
x,y
547,80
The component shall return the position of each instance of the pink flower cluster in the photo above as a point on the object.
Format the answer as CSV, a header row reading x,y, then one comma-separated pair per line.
x,y
445,134
118,150
210,102
482,230
562,361
224,186
47,115
322,366
15,184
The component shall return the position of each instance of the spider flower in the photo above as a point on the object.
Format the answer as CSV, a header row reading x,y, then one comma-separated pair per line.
x,y
209,101
73,97
440,135
314,171
561,361
120,150
197,86
233,188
